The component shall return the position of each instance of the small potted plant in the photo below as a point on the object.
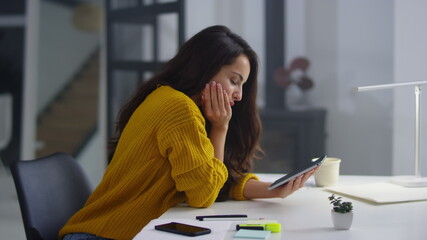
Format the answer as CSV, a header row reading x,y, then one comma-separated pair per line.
x,y
342,213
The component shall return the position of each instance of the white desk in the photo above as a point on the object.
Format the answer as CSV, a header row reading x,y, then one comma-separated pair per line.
x,y
306,214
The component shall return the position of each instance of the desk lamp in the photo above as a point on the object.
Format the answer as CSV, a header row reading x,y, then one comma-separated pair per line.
x,y
416,180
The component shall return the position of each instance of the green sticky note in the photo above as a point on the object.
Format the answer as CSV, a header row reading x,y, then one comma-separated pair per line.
x,y
255,234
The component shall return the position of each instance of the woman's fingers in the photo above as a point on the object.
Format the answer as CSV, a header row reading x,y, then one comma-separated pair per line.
x,y
306,176
295,184
227,105
216,104
220,94
214,97
207,99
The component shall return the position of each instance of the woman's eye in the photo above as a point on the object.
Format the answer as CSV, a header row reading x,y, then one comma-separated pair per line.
x,y
234,82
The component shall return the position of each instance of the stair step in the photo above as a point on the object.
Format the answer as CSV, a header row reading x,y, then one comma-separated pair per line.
x,y
74,114
54,124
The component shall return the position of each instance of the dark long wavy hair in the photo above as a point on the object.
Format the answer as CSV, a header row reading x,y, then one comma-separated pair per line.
x,y
196,63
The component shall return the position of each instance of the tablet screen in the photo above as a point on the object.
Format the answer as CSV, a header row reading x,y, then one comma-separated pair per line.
x,y
279,182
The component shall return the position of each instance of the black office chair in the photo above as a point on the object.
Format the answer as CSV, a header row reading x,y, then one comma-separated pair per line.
x,y
50,190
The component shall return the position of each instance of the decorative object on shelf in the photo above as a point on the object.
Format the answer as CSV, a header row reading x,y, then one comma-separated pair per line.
x,y
296,83
342,213
88,17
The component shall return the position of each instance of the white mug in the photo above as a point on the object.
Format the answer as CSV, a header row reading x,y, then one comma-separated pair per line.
x,y
328,173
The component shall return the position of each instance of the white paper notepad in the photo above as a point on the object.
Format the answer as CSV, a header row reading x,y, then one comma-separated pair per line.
x,y
218,228
382,192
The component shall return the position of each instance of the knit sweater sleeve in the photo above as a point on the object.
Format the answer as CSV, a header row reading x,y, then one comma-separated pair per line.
x,y
195,170
236,191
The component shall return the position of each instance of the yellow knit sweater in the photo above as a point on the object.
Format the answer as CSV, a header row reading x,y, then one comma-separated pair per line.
x,y
163,158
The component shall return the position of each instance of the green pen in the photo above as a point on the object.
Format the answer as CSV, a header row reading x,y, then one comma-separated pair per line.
x,y
273,227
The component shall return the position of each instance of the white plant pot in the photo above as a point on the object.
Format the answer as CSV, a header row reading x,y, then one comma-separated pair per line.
x,y
342,221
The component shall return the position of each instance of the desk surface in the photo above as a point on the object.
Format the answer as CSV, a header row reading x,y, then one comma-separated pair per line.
x,y
306,214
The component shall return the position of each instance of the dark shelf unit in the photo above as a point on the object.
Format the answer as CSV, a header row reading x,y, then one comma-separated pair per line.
x,y
125,73
291,138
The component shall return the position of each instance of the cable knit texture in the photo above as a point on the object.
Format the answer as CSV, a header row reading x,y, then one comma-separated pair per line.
x,y
163,158
236,191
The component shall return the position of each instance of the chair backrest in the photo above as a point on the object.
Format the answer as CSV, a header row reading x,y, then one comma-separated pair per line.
x,y
50,190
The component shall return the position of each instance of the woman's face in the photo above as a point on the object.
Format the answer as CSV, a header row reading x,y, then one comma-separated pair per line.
x,y
233,76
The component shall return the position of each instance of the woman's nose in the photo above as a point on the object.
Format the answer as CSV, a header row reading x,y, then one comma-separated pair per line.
x,y
237,95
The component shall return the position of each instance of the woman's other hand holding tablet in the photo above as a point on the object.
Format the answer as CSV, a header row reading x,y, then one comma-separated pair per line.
x,y
259,189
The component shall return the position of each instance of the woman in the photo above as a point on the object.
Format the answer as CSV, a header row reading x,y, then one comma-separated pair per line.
x,y
188,135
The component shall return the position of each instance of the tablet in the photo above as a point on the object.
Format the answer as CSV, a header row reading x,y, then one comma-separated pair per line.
x,y
307,167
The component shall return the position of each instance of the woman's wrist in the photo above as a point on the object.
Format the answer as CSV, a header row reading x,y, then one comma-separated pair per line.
x,y
219,128
258,189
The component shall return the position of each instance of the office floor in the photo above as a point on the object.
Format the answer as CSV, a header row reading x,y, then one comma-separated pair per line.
x,y
11,226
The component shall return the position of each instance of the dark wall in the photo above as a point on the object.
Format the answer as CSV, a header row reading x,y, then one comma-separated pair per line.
x,y
12,72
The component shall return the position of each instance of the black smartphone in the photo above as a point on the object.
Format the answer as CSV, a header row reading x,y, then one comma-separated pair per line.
x,y
314,163
183,229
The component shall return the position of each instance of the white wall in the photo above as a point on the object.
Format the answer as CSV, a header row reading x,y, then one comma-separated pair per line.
x,y
349,44
365,57
410,62
295,30
358,43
